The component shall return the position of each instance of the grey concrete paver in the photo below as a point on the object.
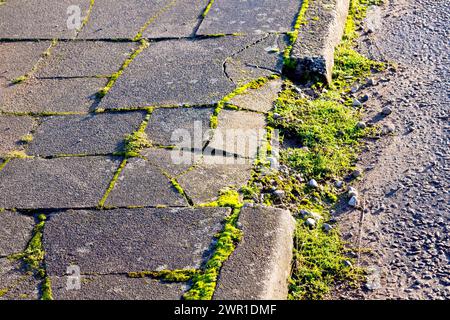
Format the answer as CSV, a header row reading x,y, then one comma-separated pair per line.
x,y
141,183
92,134
181,127
16,283
15,232
55,183
52,95
261,99
85,59
116,287
250,16
25,19
126,240
18,58
12,131
266,253
173,162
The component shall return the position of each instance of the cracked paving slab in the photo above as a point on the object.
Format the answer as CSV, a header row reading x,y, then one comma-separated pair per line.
x,y
74,182
15,232
85,59
116,287
181,127
250,16
212,174
141,183
17,283
102,133
174,161
12,131
128,240
32,19
18,58
193,74
52,95
261,99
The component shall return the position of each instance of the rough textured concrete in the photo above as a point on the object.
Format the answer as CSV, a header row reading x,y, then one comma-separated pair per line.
x,y
142,184
15,232
251,16
17,282
125,240
214,173
117,287
55,183
171,161
261,99
33,20
85,59
191,75
12,130
181,127
239,132
314,49
259,267
52,95
91,134
18,58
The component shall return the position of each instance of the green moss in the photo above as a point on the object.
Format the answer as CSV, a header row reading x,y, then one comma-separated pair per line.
x,y
112,184
153,19
46,288
208,8
26,138
293,35
88,14
3,291
167,275
19,79
227,198
135,143
180,189
204,283
17,154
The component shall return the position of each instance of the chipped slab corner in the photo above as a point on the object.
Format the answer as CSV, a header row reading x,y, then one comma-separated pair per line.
x,y
313,51
260,266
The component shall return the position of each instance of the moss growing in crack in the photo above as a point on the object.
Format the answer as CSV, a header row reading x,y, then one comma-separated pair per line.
x,y
135,143
179,189
112,184
143,45
167,275
19,79
227,198
26,138
254,84
208,8
153,19
46,288
17,154
293,35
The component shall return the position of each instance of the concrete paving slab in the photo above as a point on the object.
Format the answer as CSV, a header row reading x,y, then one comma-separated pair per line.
x,y
215,173
250,16
16,283
86,59
112,19
126,240
171,161
259,268
116,287
181,127
261,99
52,95
142,184
76,182
32,19
317,39
18,58
92,134
239,132
12,130
15,232
192,74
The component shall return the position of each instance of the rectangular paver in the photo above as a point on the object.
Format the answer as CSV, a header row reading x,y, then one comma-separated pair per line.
x,y
55,183
126,240
92,134
250,16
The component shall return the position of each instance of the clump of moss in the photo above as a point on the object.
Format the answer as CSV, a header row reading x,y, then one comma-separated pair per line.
x,y
135,143
26,138
19,79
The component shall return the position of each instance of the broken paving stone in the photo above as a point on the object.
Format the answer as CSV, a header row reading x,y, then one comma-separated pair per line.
x,y
214,173
15,232
125,240
16,281
102,133
182,127
74,182
191,75
18,58
254,16
34,20
52,95
85,59
239,132
141,183
116,287
171,161
261,99
259,267
12,130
